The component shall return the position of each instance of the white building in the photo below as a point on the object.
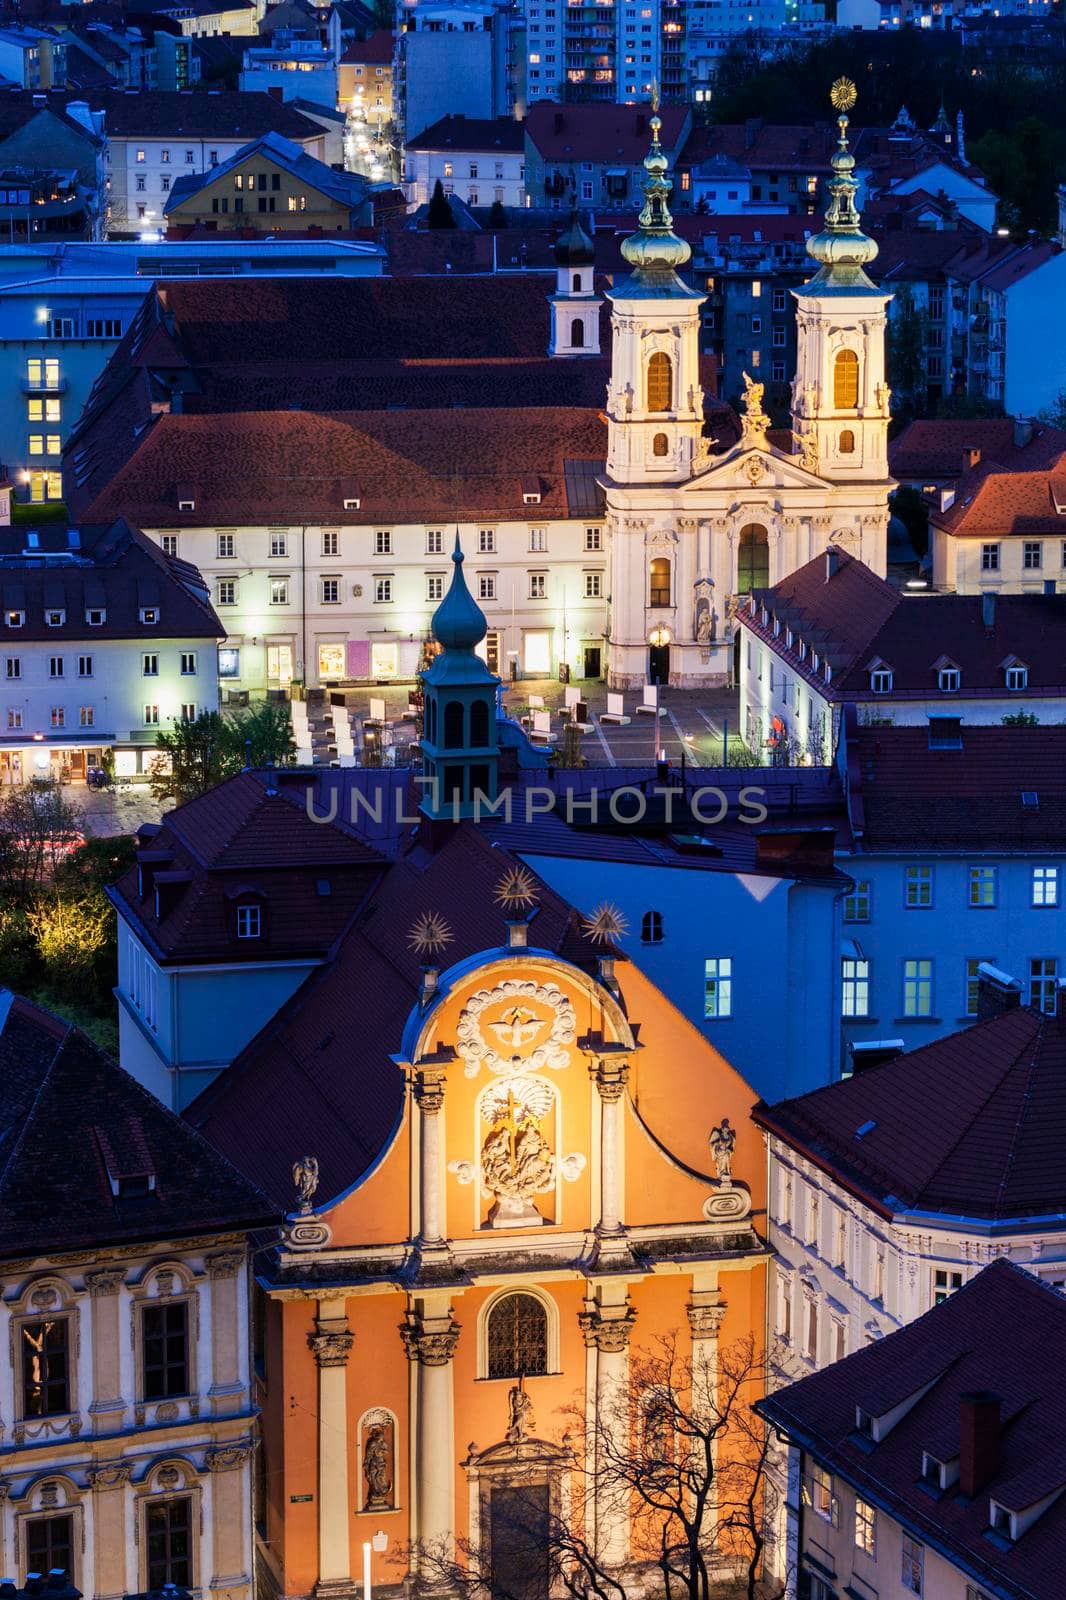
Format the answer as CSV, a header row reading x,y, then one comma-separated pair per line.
x,y
297,68
481,161
105,642
690,529
126,1381
1000,526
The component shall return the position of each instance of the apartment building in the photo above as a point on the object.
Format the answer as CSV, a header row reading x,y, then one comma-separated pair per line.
x,y
483,162
593,155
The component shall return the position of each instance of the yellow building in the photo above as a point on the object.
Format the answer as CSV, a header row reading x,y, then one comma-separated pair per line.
x,y
364,78
270,185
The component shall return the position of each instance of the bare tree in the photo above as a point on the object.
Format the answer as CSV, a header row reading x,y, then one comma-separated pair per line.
x,y
667,1481
38,826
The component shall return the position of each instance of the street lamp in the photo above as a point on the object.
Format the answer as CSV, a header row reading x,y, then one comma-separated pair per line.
x,y
378,1545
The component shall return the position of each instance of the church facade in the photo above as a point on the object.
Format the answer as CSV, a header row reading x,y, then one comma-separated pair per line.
x,y
691,527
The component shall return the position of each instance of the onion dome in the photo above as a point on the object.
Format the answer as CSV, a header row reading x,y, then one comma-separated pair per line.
x,y
574,248
459,622
655,251
842,249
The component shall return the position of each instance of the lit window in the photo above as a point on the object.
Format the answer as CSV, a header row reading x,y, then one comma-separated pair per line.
x,y
857,903
1043,981
846,381
865,1526
847,442
382,590
1045,886
982,887
823,1501
718,986
660,382
918,987
855,994
917,888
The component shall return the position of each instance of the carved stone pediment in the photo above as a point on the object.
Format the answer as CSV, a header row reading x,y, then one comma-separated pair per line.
x,y
744,467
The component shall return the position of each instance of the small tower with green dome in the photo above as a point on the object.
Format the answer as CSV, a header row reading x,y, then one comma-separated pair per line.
x,y
460,752
654,401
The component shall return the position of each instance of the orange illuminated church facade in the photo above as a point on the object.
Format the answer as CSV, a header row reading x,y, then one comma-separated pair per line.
x,y
544,1209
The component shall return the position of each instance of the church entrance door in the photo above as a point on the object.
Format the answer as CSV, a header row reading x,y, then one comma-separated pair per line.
x,y
518,1541
592,661
659,663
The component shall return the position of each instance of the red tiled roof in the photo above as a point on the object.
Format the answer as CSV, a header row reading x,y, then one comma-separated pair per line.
x,y
998,502
434,464
377,50
995,1335
969,1126
784,147
471,133
336,1037
600,132
222,113
970,798
931,448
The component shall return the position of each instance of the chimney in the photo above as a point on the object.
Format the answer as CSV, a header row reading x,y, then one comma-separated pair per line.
x,y
997,992
1023,432
832,562
871,1052
971,455
979,1434
988,610
801,850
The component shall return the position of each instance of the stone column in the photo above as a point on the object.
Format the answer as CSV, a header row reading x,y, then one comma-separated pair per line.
x,y
108,1484
225,1322
429,1096
706,1309
430,1336
331,1344
106,1404
230,1518
610,1076
606,1325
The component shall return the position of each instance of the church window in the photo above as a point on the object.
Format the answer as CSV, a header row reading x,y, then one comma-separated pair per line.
x,y
660,445
517,1337
453,725
577,283
847,442
577,335
846,381
660,382
479,723
753,559
660,581
651,927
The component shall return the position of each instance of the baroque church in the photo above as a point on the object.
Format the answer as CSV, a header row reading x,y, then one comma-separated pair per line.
x,y
691,527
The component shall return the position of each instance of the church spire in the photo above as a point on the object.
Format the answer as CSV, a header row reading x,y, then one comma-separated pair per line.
x,y
460,752
655,251
842,249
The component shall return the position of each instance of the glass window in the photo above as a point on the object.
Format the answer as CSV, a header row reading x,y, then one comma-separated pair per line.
x,y
330,542
918,887
226,546
538,540
279,544
434,541
383,542
227,591
249,922
1043,981
45,1388
168,1525
593,585
486,586
912,1565
331,591
846,381
982,887
973,965
866,1528
823,1500
990,558
918,987
857,903
434,586
188,663
1045,886
718,986
537,581
753,558
651,927
945,1282
486,541
279,591
517,1337
593,539
382,590
50,1545
855,997
150,665
660,582
165,1349
660,382
1031,555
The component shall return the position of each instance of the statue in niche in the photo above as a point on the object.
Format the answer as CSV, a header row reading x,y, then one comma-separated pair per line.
x,y
705,618
377,1467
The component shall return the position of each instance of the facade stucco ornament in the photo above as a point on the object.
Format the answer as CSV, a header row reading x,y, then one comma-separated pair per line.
x,y
722,1142
500,1042
729,1202
516,1160
225,1264
432,1347
168,1477
108,1475
166,1411
752,469
105,1281
843,536
428,1085
305,1177
705,1321
521,1421
754,420
331,1347
609,1334
228,1457
305,1233
809,452
43,1299
5,1489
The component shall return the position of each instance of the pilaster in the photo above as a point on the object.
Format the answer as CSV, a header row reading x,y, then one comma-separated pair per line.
x,y
107,1405
430,1337
108,1481
331,1345
223,1272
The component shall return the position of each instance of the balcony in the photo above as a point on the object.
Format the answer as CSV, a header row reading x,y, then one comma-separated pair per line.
x,y
44,386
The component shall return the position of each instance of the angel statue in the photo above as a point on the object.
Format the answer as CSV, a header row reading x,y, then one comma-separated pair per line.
x,y
755,419
722,1142
521,1413
305,1177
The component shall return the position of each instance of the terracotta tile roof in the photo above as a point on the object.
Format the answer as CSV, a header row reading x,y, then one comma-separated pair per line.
x,y
784,147
968,1126
599,132
435,464
853,618
64,1107
972,798
992,1337
377,50
471,133
222,113
993,501
111,567
336,1037
928,448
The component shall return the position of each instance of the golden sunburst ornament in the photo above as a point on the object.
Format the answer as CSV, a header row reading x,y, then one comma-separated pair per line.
x,y
605,924
516,890
843,94
429,934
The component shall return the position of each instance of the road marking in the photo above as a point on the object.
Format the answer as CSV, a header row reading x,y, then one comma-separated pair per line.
x,y
687,749
715,729
611,762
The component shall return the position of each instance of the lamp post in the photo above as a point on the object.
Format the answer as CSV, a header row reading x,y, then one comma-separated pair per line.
x,y
375,1546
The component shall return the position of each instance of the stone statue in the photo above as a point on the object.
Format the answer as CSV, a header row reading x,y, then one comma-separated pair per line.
x,y
809,451
521,1414
723,1142
305,1177
376,1468
755,419
516,1164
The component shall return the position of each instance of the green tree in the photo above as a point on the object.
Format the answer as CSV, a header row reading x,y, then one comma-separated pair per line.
x,y
260,735
912,509
968,407
439,214
1055,414
1023,163
1021,719
193,758
906,353
72,934
497,216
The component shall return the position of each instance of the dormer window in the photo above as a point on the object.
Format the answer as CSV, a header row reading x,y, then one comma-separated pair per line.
x,y
96,616
352,505
149,616
881,680
1001,1520
249,922
939,1474
864,1423
186,505
531,499
948,680
55,619
1017,676
15,619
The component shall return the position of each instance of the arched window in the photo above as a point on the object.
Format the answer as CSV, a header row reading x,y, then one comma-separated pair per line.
x,y
517,1337
660,382
660,581
577,283
660,445
753,559
847,443
651,927
453,725
479,723
577,335
846,380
